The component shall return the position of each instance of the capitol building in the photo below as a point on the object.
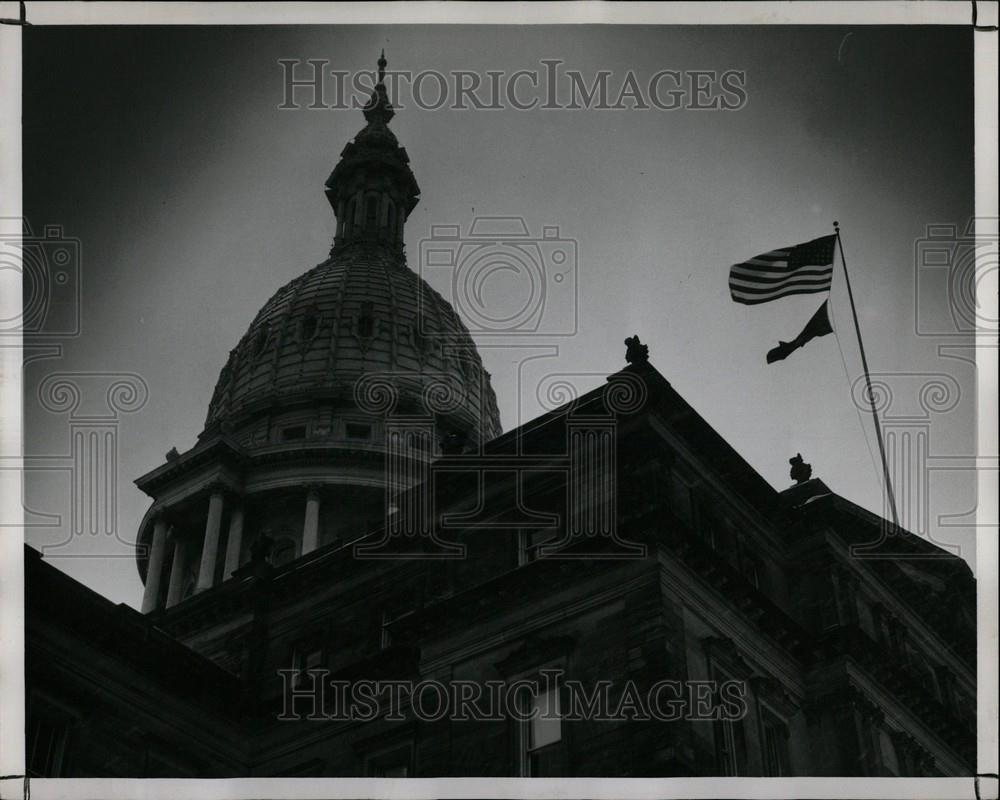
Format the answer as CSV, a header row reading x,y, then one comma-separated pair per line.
x,y
353,511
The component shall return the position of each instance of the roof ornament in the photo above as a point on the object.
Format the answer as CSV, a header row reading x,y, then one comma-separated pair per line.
x,y
800,471
636,352
378,109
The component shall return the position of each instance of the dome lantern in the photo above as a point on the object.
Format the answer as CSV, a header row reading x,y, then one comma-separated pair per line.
x,y
372,189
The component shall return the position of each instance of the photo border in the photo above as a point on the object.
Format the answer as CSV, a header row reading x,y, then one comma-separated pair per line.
x,y
703,13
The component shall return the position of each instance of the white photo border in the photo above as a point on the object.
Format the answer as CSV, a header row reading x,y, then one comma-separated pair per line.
x,y
508,13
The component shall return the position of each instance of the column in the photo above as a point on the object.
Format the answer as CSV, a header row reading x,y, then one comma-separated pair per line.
x,y
234,544
154,570
206,572
177,570
310,531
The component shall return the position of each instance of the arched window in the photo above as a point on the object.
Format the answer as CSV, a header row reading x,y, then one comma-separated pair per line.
x,y
371,214
352,208
308,327
366,322
260,341
391,227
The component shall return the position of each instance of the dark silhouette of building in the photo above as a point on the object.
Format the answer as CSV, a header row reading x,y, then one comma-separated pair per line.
x,y
352,514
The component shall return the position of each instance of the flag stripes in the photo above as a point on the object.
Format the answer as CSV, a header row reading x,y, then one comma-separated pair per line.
x,y
802,269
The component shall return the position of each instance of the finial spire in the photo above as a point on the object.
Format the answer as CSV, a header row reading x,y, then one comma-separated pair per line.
x,y
379,109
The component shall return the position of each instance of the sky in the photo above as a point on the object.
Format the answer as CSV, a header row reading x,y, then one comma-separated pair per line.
x,y
193,196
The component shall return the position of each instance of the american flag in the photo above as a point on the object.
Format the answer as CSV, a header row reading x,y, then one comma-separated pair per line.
x,y
800,269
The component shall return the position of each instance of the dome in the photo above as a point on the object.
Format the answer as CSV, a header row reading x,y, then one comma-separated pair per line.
x,y
348,383
363,330
360,333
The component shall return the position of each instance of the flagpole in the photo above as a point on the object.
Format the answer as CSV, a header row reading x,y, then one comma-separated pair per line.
x,y
868,382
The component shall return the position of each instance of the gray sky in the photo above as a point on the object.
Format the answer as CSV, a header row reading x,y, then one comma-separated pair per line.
x,y
195,197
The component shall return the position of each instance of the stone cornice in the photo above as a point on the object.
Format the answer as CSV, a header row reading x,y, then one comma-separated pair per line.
x,y
220,450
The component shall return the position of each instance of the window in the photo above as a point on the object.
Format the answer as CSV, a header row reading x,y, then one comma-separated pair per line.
x,y
419,339
541,734
730,747
866,619
887,752
394,763
774,744
306,655
385,637
48,731
753,570
946,685
898,639
371,213
351,211
709,526
396,608
680,497
260,342
730,736
366,324
293,433
358,430
308,327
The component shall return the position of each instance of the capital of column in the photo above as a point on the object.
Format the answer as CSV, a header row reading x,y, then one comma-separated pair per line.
x,y
219,488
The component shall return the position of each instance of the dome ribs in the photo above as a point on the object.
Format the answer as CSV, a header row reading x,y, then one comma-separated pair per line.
x,y
338,306
375,306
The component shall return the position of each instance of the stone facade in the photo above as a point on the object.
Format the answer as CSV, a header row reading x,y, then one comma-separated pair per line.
x,y
851,666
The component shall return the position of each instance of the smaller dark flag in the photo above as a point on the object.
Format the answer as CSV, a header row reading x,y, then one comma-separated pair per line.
x,y
819,325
